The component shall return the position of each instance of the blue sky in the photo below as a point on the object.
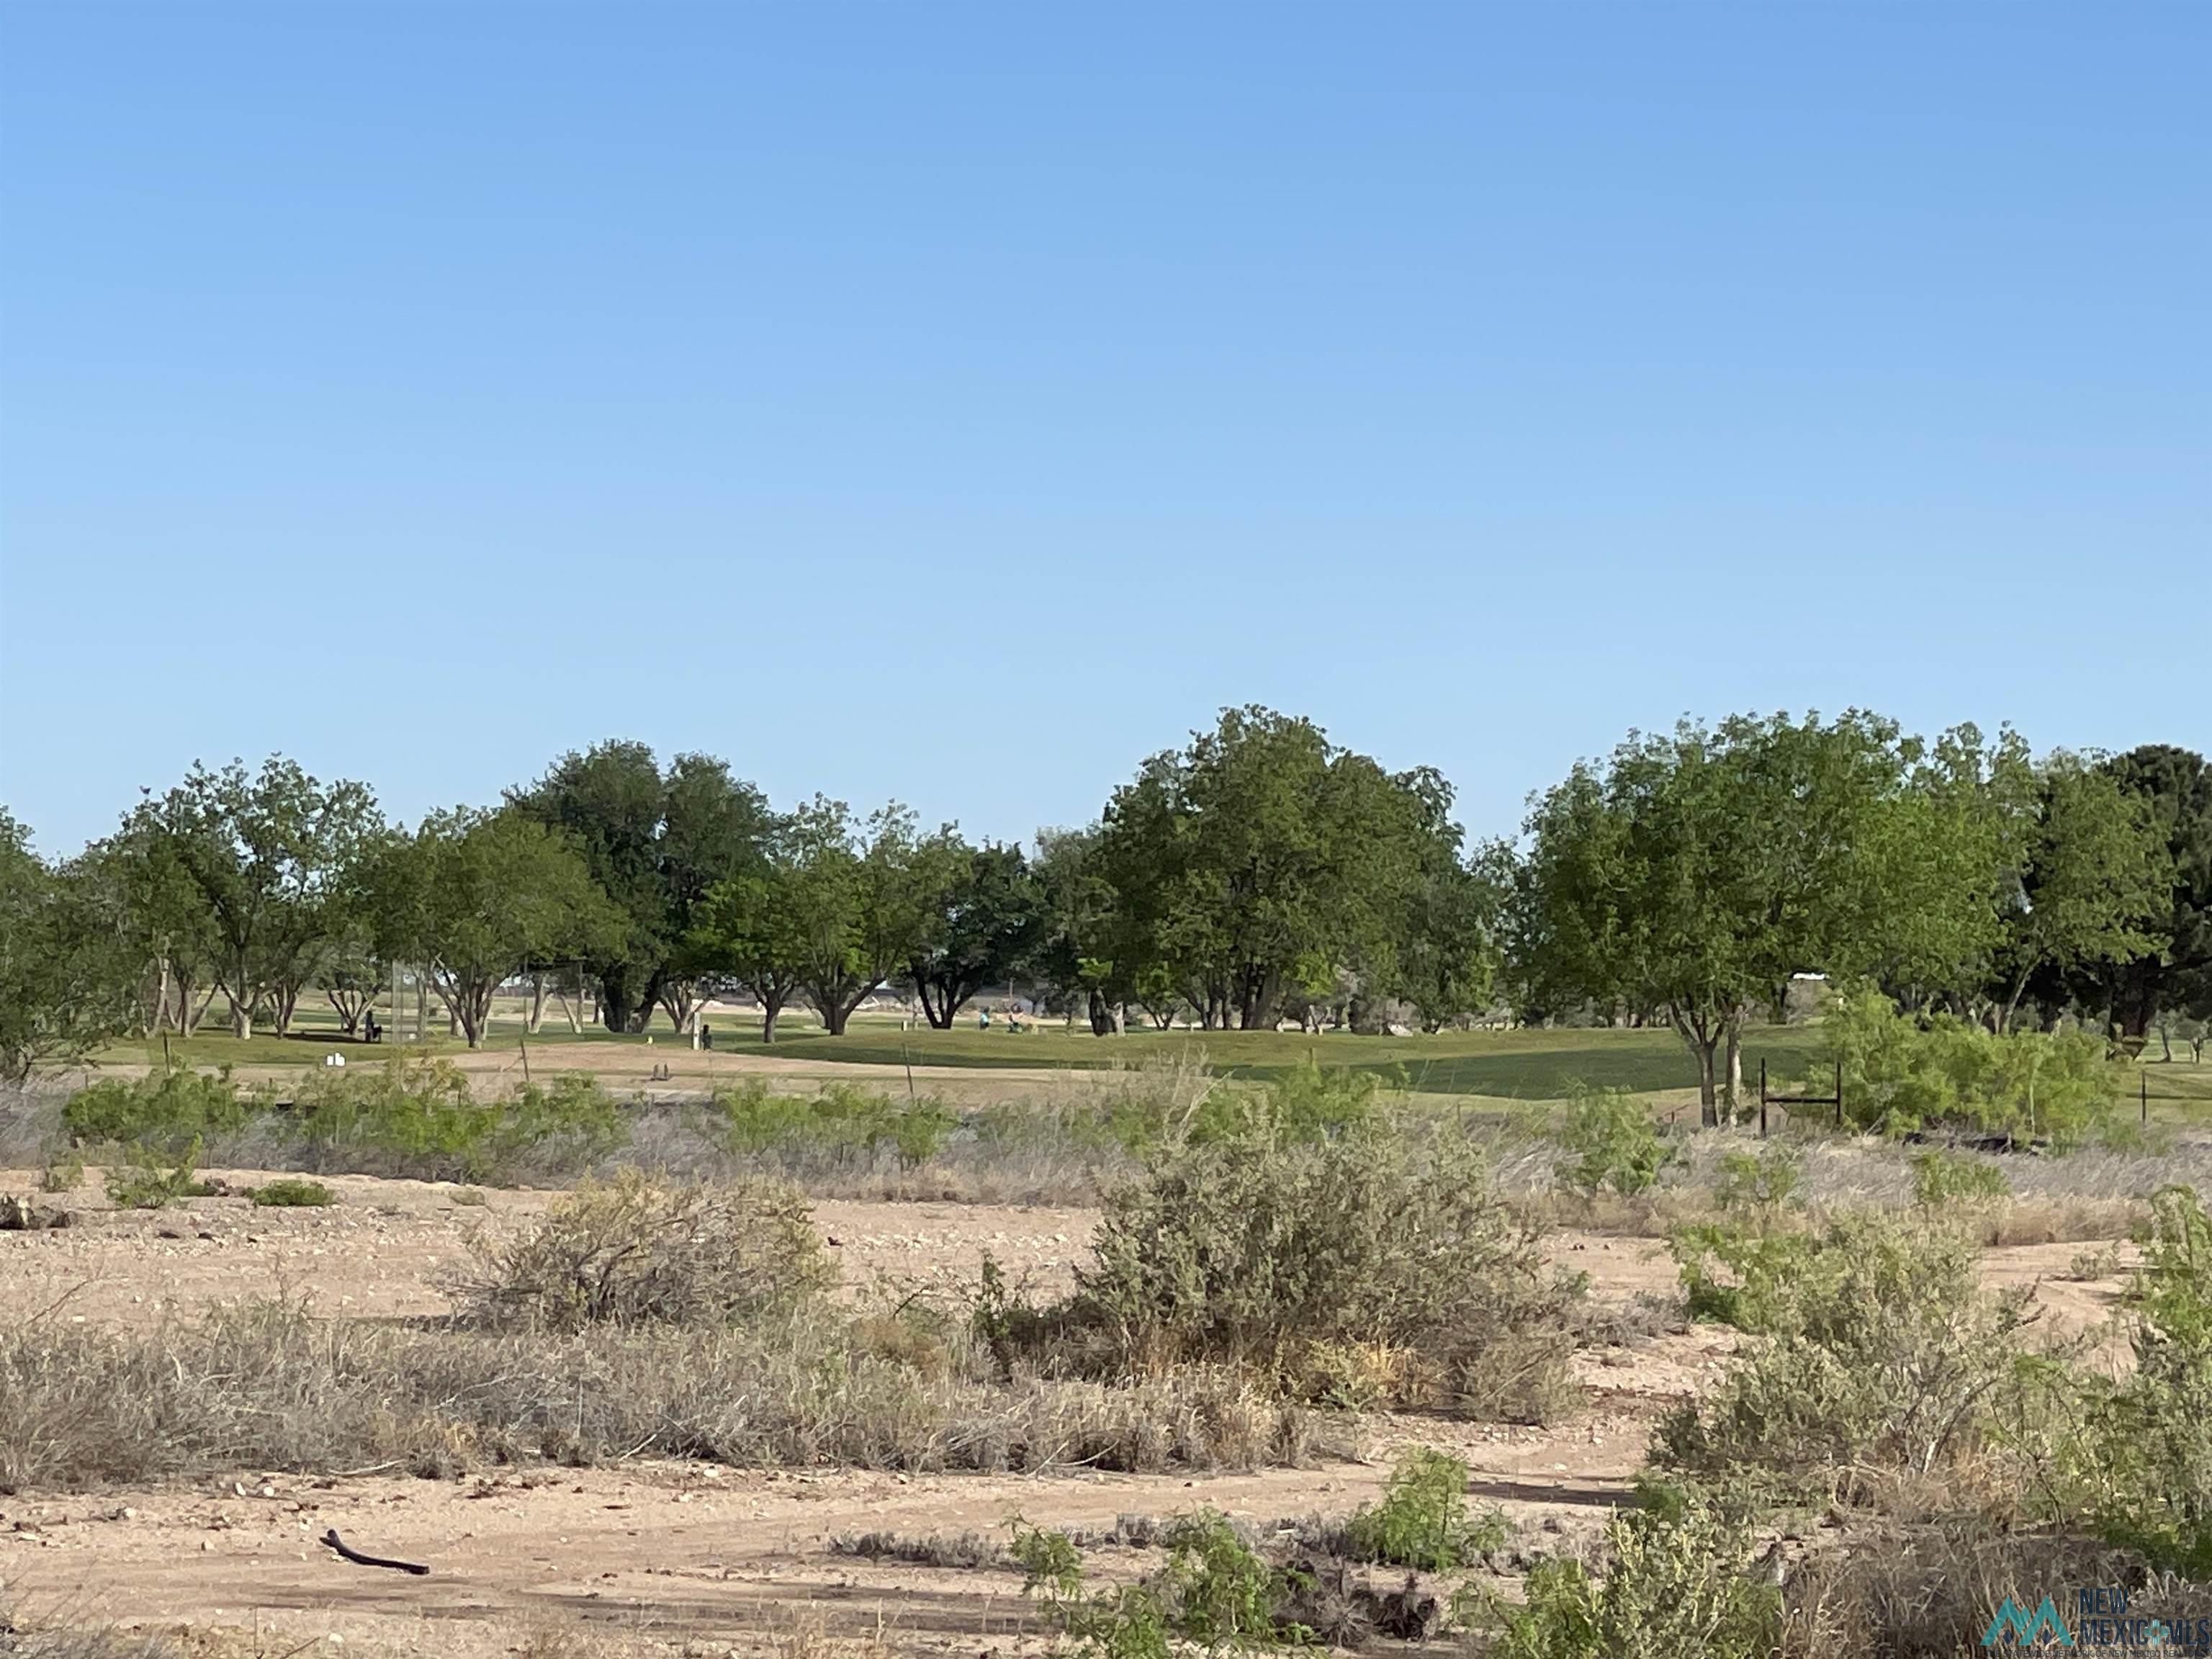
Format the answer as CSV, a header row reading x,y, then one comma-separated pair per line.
x,y
958,404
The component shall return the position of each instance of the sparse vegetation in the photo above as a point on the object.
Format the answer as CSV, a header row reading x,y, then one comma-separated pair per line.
x,y
1670,1584
291,1192
1612,1143
1351,1269
1884,1361
147,1181
635,1251
1942,1179
1214,1592
1422,1521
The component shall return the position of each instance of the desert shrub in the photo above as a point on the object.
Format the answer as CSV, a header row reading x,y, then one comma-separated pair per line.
x,y
413,1113
1773,1178
1744,1278
843,1125
1903,1072
62,1175
635,1251
1885,1361
1612,1141
967,1549
1214,1591
1422,1520
1669,1585
2147,1458
1942,1179
418,1115
1305,1103
1323,1262
291,1192
147,1181
166,1112
570,1123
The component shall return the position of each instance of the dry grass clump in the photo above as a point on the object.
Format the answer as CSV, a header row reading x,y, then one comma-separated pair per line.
x,y
1884,1363
637,1251
22,1637
1930,1590
273,1387
1354,1269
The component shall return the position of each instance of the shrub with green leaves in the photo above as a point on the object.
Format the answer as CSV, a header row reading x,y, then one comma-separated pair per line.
x,y
2147,1460
1288,1259
419,1115
1422,1521
1883,1354
1941,1179
149,1180
843,1126
1670,1584
291,1192
1612,1140
62,1175
166,1110
1905,1072
1742,1277
1773,1178
1305,1103
413,1112
1214,1592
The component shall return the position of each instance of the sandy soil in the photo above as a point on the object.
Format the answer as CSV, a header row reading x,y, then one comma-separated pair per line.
x,y
679,1558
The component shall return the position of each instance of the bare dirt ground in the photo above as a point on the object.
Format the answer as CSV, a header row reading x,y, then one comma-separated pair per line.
x,y
661,1559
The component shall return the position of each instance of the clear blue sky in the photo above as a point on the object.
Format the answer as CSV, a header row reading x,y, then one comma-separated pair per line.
x,y
959,404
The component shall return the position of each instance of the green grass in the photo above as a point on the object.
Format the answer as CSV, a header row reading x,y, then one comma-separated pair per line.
x,y
1516,1065
1536,1064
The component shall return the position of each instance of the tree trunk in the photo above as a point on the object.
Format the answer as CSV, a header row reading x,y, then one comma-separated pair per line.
x,y
1102,1017
241,1018
161,998
536,1017
1734,1084
938,1010
1703,1041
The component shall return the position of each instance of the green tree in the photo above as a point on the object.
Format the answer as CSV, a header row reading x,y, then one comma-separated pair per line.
x,y
657,845
259,859
2092,874
1694,874
981,918
2175,974
1080,930
1261,858
476,897
1447,966
69,980
857,902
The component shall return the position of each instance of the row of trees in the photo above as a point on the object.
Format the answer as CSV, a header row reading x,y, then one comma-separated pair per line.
x,y
1257,874
1689,877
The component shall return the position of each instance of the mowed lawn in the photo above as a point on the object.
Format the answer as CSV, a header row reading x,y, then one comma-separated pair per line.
x,y
1519,1064
1516,1064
